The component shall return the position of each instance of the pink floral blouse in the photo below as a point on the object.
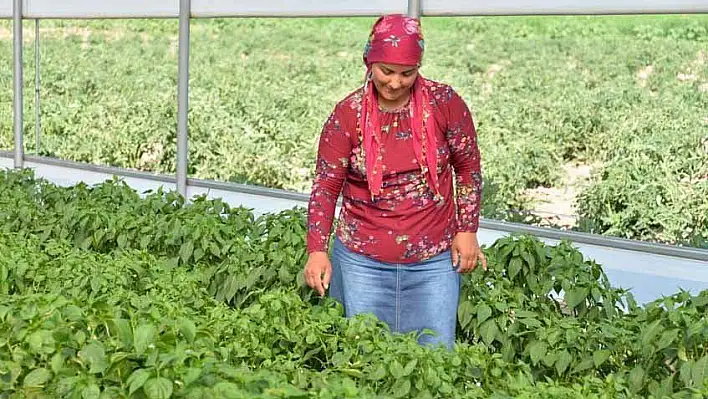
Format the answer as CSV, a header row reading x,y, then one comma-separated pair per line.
x,y
405,223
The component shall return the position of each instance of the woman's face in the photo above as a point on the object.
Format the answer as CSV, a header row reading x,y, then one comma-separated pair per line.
x,y
392,81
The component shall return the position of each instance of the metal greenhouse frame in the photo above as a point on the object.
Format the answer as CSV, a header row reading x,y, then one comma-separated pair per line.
x,y
653,269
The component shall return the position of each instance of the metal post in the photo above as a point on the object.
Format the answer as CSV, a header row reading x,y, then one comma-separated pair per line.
x,y
414,8
17,78
37,126
183,97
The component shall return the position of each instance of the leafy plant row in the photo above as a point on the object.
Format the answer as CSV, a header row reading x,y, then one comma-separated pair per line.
x,y
541,321
144,329
548,94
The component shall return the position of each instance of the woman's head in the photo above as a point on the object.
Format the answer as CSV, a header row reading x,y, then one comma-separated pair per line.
x,y
393,81
393,54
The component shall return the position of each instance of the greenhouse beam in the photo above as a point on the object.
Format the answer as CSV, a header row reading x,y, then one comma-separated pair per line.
x,y
183,98
414,8
17,79
37,121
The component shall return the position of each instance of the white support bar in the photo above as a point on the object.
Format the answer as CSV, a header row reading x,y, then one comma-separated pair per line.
x,y
561,7
45,9
296,8
414,8
183,99
17,82
5,9
95,9
37,90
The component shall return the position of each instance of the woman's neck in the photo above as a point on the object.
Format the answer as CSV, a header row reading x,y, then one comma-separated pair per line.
x,y
393,105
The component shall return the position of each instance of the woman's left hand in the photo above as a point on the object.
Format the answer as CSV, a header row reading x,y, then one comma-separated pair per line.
x,y
466,252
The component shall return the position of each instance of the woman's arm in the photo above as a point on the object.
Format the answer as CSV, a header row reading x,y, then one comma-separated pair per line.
x,y
465,158
466,161
331,169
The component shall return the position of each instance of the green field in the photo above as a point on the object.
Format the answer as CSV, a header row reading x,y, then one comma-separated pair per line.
x,y
106,295
618,105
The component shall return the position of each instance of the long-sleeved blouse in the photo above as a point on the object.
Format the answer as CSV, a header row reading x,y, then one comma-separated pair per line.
x,y
406,222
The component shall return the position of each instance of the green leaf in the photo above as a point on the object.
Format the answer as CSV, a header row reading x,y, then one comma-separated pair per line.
x,y
378,374
526,314
540,251
464,313
57,362
410,367
311,338
173,262
456,362
351,372
529,259
682,354
158,388
514,267
91,392
530,322
585,364
80,337
37,378
401,388
124,332
549,359
655,390
667,338
137,379
192,375
186,250
537,350
214,249
198,254
698,301
42,341
340,358
122,241
563,361
95,283
95,355
506,250
686,372
699,372
489,331
188,329
575,297
667,387
144,337
636,379
483,313
650,332
508,352
600,357
145,241
396,369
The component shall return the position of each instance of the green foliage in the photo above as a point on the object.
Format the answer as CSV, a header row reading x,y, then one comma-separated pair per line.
x,y
652,190
150,319
544,91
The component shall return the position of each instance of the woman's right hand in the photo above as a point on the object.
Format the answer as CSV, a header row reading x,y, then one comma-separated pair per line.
x,y
318,272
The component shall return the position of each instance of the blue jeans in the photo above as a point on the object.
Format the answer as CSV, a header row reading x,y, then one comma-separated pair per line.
x,y
407,297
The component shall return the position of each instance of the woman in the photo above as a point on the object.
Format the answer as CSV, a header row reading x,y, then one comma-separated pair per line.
x,y
403,234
